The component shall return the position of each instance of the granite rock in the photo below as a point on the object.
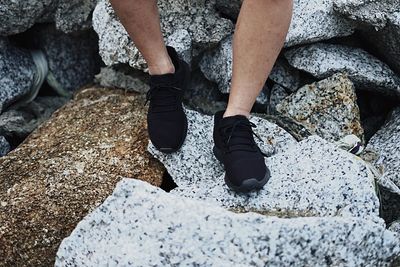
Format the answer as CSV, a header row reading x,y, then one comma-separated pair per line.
x,y
216,64
198,18
285,75
395,226
367,72
165,230
367,12
72,58
277,95
327,108
66,168
386,143
4,146
124,77
18,16
17,73
313,177
312,20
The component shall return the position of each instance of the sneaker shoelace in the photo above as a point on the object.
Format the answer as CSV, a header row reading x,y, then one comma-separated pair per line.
x,y
239,137
163,98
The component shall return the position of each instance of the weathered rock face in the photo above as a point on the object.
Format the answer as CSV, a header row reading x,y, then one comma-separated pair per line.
x,y
4,146
68,166
310,178
327,108
386,143
367,72
18,16
204,26
72,58
164,230
17,73
277,95
17,123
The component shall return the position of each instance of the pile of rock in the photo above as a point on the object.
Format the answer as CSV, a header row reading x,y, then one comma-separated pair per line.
x,y
43,45
328,117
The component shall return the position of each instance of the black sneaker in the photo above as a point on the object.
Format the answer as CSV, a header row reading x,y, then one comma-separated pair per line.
x,y
235,148
166,119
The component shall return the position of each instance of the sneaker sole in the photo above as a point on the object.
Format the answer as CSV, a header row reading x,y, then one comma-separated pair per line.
x,y
247,185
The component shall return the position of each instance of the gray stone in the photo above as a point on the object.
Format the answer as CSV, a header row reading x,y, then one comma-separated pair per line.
x,y
313,177
327,108
124,77
4,146
395,226
72,58
17,73
140,225
69,15
367,12
386,143
17,124
277,95
198,18
285,75
182,42
367,72
216,65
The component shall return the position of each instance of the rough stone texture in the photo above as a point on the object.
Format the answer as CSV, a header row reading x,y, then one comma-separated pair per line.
x,y
182,42
4,146
386,143
68,166
216,65
285,75
395,227
73,59
312,20
69,15
17,123
17,73
311,178
327,108
277,95
165,230
366,71
199,18
367,12
124,77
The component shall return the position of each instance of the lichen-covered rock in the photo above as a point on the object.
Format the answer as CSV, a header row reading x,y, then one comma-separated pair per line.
x,y
72,58
165,230
67,167
327,108
17,73
367,72
386,143
69,15
198,18
124,77
367,12
4,146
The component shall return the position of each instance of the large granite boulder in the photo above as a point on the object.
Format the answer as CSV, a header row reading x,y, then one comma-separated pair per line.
x,y
367,72
312,20
166,230
312,177
327,108
386,143
204,27
67,167
69,15
17,73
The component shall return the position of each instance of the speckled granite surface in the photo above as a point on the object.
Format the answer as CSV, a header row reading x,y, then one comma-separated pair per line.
x,y
327,108
312,177
140,225
365,71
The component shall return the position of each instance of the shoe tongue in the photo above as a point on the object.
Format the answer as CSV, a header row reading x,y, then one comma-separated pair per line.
x,y
232,119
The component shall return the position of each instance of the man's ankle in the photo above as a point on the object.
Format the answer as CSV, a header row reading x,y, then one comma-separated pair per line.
x,y
161,69
236,111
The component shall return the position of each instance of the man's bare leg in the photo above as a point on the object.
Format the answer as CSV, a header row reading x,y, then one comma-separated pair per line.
x,y
260,32
141,20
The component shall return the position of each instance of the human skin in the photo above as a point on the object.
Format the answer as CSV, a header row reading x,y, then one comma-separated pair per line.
x,y
259,36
